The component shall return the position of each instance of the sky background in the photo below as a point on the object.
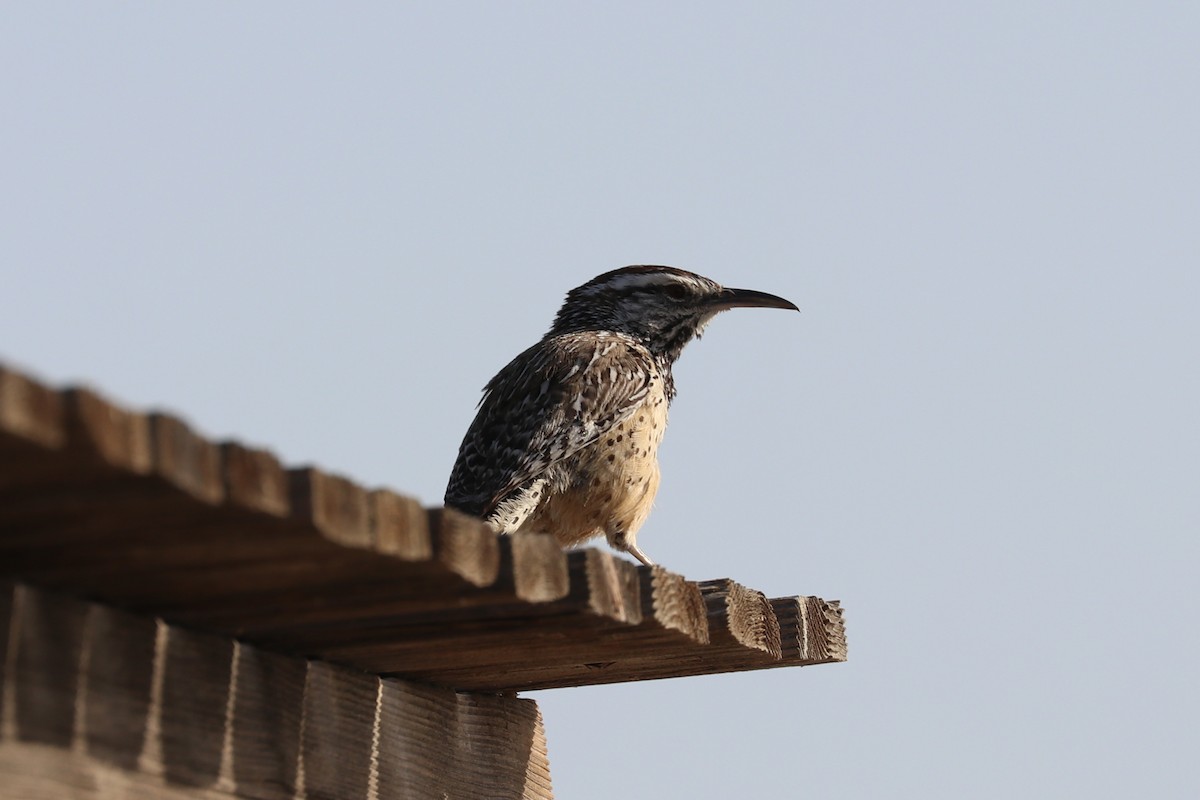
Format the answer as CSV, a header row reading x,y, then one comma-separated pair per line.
x,y
321,228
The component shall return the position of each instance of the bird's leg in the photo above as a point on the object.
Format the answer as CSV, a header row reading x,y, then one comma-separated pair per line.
x,y
621,540
637,553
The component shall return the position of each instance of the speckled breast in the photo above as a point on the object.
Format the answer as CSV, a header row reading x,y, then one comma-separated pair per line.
x,y
614,480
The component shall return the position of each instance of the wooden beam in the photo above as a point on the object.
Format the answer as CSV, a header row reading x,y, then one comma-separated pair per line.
x,y
141,512
29,411
109,704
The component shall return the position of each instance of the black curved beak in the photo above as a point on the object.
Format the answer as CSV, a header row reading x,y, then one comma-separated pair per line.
x,y
748,298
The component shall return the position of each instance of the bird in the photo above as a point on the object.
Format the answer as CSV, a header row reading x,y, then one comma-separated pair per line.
x,y
565,438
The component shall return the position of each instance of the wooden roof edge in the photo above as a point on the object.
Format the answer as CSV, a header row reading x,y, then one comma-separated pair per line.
x,y
312,562
164,703
30,411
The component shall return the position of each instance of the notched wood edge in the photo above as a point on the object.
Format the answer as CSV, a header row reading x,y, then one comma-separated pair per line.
x,y
827,616
793,627
674,602
184,458
335,506
86,423
539,566
31,411
399,526
118,437
610,585
254,479
465,545
742,615
813,629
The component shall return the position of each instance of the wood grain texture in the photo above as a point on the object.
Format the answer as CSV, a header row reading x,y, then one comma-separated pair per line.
x,y
185,459
117,437
741,617
41,772
113,705
143,513
333,505
254,480
338,732
195,693
119,681
269,692
30,411
399,526
675,603
49,635
465,546
538,567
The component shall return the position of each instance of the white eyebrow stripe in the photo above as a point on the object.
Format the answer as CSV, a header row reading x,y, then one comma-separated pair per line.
x,y
641,280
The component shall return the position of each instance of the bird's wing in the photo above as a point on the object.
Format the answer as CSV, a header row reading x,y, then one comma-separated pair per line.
x,y
551,401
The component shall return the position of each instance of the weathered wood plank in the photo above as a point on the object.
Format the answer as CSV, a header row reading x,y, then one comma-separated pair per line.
x,y
118,682
810,631
338,732
674,603
465,546
266,719
399,526
616,614
254,480
143,512
119,438
825,625
41,772
196,672
185,459
30,411
336,507
498,736
537,567
741,618
48,633
112,705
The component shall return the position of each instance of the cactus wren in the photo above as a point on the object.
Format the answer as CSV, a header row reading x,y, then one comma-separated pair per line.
x,y
566,437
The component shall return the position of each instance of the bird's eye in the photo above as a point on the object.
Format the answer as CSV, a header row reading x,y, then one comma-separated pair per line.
x,y
677,291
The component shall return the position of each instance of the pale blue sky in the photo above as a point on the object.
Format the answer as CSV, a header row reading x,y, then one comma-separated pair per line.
x,y
322,227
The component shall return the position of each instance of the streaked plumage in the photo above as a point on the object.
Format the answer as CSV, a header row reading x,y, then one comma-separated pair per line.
x,y
566,437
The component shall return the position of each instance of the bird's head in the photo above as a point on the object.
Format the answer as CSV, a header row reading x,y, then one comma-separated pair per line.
x,y
662,307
